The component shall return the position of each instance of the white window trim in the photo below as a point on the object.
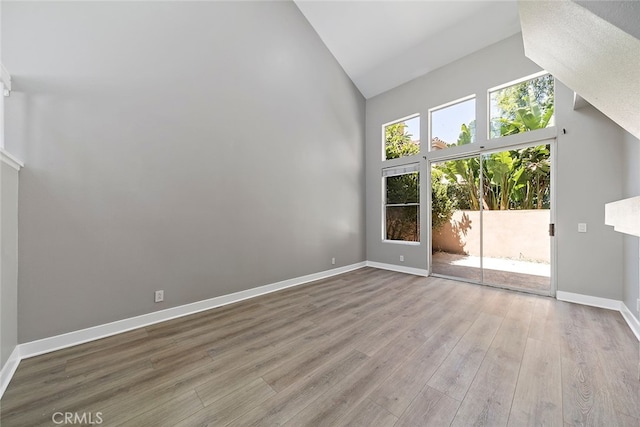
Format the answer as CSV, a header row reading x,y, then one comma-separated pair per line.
x,y
383,135
509,84
399,170
401,242
492,145
517,81
449,104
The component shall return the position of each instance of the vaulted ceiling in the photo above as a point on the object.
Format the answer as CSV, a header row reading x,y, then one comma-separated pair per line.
x,y
382,44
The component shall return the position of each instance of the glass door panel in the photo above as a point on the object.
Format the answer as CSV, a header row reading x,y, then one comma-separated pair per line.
x,y
456,219
516,214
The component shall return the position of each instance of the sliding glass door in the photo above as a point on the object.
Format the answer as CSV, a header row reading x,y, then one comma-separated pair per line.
x,y
455,219
490,216
516,250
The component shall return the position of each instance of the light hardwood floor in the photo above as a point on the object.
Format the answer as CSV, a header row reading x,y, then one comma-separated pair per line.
x,y
368,348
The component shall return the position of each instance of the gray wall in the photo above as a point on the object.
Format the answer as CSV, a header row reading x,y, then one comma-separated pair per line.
x,y
589,175
589,263
202,148
9,272
631,188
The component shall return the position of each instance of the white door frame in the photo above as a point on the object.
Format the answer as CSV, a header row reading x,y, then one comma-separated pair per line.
x,y
475,149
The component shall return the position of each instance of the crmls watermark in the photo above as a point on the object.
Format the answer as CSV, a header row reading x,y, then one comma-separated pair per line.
x,y
64,418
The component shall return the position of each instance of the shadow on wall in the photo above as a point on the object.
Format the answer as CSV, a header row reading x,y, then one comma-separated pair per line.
x,y
451,237
515,234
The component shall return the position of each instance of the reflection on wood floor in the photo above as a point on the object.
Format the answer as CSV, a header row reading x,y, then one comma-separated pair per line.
x,y
528,276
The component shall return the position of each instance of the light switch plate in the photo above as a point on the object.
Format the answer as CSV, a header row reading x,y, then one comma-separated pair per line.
x,y
582,227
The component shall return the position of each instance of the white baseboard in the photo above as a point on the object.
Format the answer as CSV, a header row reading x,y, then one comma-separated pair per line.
x,y
610,304
9,368
398,268
70,339
58,342
633,323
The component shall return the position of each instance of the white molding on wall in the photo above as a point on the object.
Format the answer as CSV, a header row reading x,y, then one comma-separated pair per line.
x,y
10,160
610,304
9,369
398,268
58,342
633,323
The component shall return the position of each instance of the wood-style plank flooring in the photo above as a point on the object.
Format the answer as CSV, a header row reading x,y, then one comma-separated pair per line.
x,y
368,348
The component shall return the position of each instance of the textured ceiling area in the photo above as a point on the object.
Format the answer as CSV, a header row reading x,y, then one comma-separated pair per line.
x,y
382,44
589,52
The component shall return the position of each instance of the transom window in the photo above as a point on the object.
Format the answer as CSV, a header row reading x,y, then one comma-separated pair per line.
x,y
521,107
453,124
402,138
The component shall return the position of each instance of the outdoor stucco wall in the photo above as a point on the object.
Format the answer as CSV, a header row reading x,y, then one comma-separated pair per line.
x,y
514,234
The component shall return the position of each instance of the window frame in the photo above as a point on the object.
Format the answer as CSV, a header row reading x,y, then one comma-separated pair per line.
x,y
407,168
383,138
533,76
447,105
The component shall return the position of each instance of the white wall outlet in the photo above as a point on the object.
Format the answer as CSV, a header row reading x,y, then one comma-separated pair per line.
x,y
159,296
638,305
333,261
582,227
401,258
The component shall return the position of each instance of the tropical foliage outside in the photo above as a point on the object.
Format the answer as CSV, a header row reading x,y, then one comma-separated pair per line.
x,y
514,179
402,222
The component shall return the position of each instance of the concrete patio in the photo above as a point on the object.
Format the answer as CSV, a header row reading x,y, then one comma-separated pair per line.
x,y
526,275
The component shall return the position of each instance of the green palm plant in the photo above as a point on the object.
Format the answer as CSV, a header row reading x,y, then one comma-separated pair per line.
x,y
529,117
465,173
499,180
535,162
516,179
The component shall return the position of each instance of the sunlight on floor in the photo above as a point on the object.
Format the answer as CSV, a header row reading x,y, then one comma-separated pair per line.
x,y
501,264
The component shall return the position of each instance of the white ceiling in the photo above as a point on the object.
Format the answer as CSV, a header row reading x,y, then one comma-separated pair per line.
x,y
382,44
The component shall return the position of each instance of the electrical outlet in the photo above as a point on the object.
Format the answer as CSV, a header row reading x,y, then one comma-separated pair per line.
x,y
333,261
159,296
401,258
638,305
